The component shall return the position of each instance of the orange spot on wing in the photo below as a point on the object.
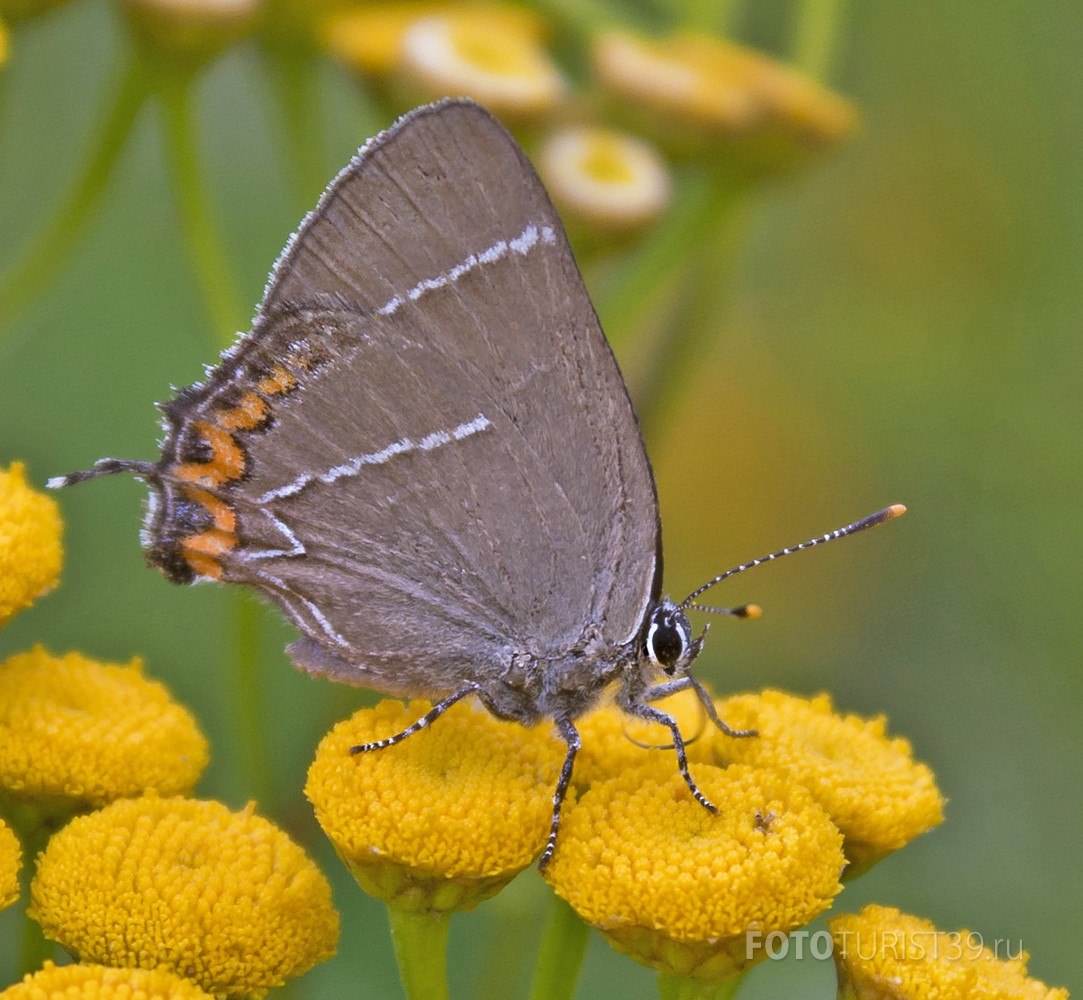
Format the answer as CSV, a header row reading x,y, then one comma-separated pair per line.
x,y
211,542
278,381
203,565
250,412
224,517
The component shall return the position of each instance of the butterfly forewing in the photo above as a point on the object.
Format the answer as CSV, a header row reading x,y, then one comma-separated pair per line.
x,y
439,464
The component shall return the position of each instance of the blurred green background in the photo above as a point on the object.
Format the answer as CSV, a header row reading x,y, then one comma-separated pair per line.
x,y
902,324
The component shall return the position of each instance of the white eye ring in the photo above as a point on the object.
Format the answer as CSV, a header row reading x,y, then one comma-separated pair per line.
x,y
685,637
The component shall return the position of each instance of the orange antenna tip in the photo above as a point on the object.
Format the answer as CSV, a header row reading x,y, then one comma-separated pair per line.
x,y
895,510
751,611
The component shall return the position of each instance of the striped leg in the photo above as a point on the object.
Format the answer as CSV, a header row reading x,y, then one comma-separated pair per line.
x,y
652,714
666,688
427,719
570,735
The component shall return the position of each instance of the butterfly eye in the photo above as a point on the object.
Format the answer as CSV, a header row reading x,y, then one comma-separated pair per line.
x,y
667,639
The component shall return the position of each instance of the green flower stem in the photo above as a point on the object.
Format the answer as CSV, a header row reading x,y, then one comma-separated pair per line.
x,y
672,987
211,266
560,954
33,826
62,232
646,276
420,941
815,35
294,74
689,334
208,257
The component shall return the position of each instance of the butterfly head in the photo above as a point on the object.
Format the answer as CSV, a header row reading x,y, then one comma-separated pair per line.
x,y
668,642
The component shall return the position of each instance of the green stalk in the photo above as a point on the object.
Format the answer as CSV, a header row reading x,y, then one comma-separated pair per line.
x,y
205,250
690,333
815,35
294,78
645,276
671,987
211,266
56,241
420,941
560,954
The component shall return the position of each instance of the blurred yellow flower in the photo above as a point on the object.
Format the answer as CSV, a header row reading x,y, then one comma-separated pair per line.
x,y
191,29
225,899
99,982
470,56
606,178
11,860
688,892
614,742
78,732
882,954
369,39
869,783
3,43
444,819
30,529
717,87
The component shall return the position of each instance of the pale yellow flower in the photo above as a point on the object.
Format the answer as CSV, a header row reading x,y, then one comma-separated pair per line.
x,y
443,819
882,954
690,892
30,529
81,733
719,88
99,982
11,860
606,178
507,71
869,783
224,898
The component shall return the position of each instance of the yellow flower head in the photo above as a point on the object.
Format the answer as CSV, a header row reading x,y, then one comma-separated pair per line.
x,y
882,954
100,982
869,783
80,733
716,87
689,892
444,819
369,39
614,742
606,178
11,859
191,30
30,528
466,53
225,899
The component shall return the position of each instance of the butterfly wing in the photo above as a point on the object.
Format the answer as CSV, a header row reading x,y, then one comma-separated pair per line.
x,y
424,451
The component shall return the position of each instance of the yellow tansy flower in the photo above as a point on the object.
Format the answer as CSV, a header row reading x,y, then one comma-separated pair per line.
x,y
225,899
869,783
882,954
78,732
369,39
507,71
688,892
11,859
721,89
444,819
614,742
99,982
604,177
30,528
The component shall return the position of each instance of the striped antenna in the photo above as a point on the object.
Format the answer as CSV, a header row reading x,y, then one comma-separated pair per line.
x,y
887,514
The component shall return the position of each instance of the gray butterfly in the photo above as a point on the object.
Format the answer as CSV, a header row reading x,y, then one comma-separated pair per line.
x,y
424,453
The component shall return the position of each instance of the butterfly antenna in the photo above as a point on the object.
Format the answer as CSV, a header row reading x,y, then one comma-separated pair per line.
x,y
103,467
752,610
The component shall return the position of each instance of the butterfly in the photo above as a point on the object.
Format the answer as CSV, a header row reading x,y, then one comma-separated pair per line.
x,y
424,454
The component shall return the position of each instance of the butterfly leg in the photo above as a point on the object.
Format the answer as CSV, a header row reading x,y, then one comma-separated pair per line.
x,y
642,711
427,719
665,689
570,735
